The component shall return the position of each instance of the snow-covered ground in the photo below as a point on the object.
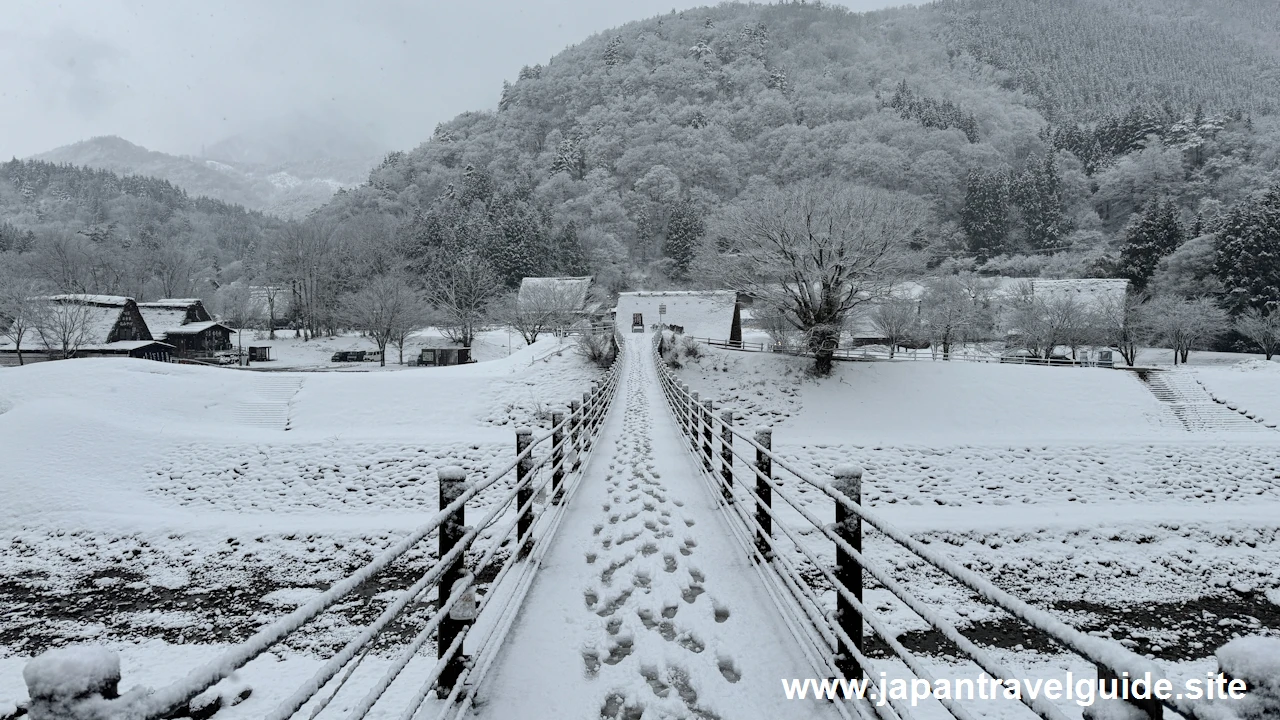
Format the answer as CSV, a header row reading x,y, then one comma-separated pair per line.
x,y
1073,488
169,509
289,352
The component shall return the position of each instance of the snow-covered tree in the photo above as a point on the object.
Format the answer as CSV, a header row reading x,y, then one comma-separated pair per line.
x,y
1248,254
985,215
387,308
1185,325
1261,329
1148,239
813,251
897,320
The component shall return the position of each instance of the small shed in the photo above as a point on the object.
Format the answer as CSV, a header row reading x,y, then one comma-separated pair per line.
x,y
440,357
259,353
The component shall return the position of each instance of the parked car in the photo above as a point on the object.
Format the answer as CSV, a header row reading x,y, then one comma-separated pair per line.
x,y
339,357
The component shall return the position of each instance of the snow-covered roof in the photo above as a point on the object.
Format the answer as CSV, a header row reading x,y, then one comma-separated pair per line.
x,y
104,300
101,321
172,302
162,319
196,328
571,291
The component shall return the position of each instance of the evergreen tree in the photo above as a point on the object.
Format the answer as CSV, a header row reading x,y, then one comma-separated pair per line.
x,y
1154,234
684,233
613,51
570,257
1039,193
985,215
477,185
1248,254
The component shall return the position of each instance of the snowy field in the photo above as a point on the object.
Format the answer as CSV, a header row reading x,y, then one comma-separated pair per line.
x,y
167,510
290,352
1073,488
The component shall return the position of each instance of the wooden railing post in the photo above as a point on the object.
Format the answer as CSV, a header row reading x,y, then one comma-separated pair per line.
x,y
452,482
708,412
726,454
595,406
1114,706
524,484
557,455
575,425
695,418
764,491
848,481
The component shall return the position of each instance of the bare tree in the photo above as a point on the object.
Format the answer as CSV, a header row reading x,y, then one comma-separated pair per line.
x,y
461,289
1044,324
947,312
64,327
541,307
898,321
387,309
303,255
19,309
814,251
1119,324
1185,325
414,315
1260,328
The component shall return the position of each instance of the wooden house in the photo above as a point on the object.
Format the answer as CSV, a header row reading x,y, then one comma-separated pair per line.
x,y
86,326
188,327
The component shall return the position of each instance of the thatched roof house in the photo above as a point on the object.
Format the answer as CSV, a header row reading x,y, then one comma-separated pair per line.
x,y
187,325
86,326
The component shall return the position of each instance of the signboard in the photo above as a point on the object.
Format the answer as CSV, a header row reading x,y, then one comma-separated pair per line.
x,y
662,309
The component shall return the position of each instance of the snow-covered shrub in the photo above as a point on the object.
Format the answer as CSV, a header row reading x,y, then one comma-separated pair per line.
x,y
691,348
72,682
598,349
1256,661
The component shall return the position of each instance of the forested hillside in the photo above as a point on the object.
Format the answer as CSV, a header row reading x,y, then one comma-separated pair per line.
x,y
1058,138
1034,130
82,230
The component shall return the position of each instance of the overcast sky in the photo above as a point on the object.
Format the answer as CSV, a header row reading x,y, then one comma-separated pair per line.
x,y
173,74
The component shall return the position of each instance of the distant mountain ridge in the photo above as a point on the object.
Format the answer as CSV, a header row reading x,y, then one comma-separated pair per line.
x,y
286,189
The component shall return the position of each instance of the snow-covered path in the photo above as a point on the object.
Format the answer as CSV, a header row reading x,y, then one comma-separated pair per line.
x,y
644,605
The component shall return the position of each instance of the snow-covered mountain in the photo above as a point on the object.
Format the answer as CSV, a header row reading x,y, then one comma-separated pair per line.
x,y
278,185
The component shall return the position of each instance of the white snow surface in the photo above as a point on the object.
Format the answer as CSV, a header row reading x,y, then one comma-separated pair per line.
x,y
1254,659
138,488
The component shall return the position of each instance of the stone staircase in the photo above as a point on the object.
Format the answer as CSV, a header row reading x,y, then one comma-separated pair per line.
x,y
274,394
1196,408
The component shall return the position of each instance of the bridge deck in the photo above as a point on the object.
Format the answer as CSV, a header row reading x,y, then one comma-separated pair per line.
x,y
644,604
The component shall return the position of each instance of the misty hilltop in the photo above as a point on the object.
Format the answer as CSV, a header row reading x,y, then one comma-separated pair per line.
x,y
263,171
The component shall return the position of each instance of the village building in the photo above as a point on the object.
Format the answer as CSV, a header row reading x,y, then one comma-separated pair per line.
x,y
87,326
188,327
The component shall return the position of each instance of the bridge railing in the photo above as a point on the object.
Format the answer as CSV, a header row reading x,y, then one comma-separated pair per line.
x,y
756,486
547,466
